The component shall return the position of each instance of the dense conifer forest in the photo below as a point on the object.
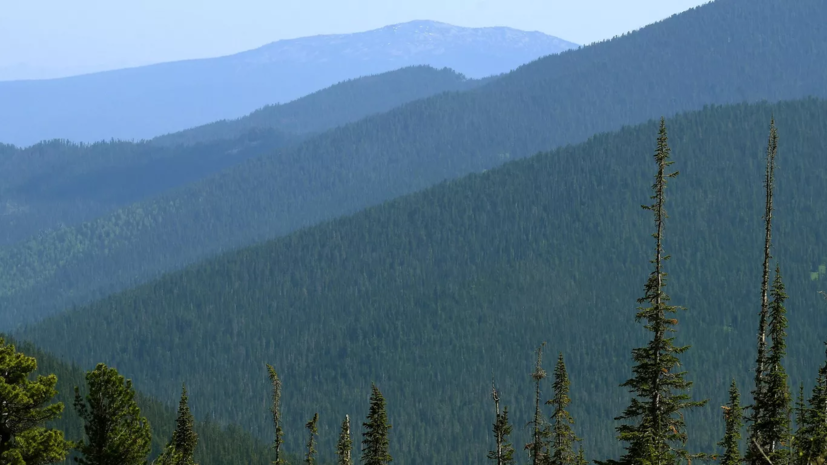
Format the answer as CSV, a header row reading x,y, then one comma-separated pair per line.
x,y
430,295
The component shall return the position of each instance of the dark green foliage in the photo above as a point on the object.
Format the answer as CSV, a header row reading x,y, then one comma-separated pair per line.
x,y
375,438
313,430
733,422
503,452
540,433
654,428
723,52
181,448
344,448
275,410
775,422
811,436
563,438
432,293
25,408
757,443
115,431
218,446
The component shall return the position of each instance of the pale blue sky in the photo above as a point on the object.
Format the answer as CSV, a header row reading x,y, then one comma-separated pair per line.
x,y
70,36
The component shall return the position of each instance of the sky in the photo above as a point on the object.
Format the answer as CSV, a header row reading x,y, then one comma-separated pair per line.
x,y
51,38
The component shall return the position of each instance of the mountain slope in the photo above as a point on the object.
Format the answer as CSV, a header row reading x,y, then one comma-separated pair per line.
x,y
216,445
344,102
58,183
726,51
432,294
139,103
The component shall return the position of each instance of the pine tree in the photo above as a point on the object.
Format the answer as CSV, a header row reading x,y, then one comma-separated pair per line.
x,y
654,428
757,443
800,415
581,457
538,447
563,437
116,433
734,421
181,448
276,412
375,440
344,446
775,422
504,451
25,409
310,458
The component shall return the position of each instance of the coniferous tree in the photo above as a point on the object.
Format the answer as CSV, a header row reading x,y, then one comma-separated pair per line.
x,y
654,430
775,422
276,412
503,452
734,421
116,433
375,440
757,443
181,448
345,445
25,409
538,447
562,433
800,413
812,435
312,428
581,457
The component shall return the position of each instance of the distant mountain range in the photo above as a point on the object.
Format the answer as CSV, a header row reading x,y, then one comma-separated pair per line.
x,y
147,101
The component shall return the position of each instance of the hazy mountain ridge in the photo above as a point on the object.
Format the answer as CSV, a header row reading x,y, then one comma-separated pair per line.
x,y
726,51
143,102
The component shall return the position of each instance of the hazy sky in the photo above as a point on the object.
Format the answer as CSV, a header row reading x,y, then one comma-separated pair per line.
x,y
69,36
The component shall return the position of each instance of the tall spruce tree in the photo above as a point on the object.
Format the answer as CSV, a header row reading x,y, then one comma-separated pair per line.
x,y
345,445
116,433
503,452
181,448
275,410
800,413
313,431
654,429
734,421
538,447
774,425
25,409
375,438
562,433
757,443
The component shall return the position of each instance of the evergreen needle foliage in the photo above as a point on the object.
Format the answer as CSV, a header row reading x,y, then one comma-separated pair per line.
x,y
562,433
181,449
775,424
312,428
375,441
538,447
759,393
25,409
654,429
812,433
345,445
116,433
276,412
503,452
734,421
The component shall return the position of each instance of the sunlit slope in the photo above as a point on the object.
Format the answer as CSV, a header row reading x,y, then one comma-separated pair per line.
x,y
432,294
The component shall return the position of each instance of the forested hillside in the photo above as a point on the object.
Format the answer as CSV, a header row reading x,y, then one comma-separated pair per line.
x,y
433,294
726,51
217,445
59,183
347,101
